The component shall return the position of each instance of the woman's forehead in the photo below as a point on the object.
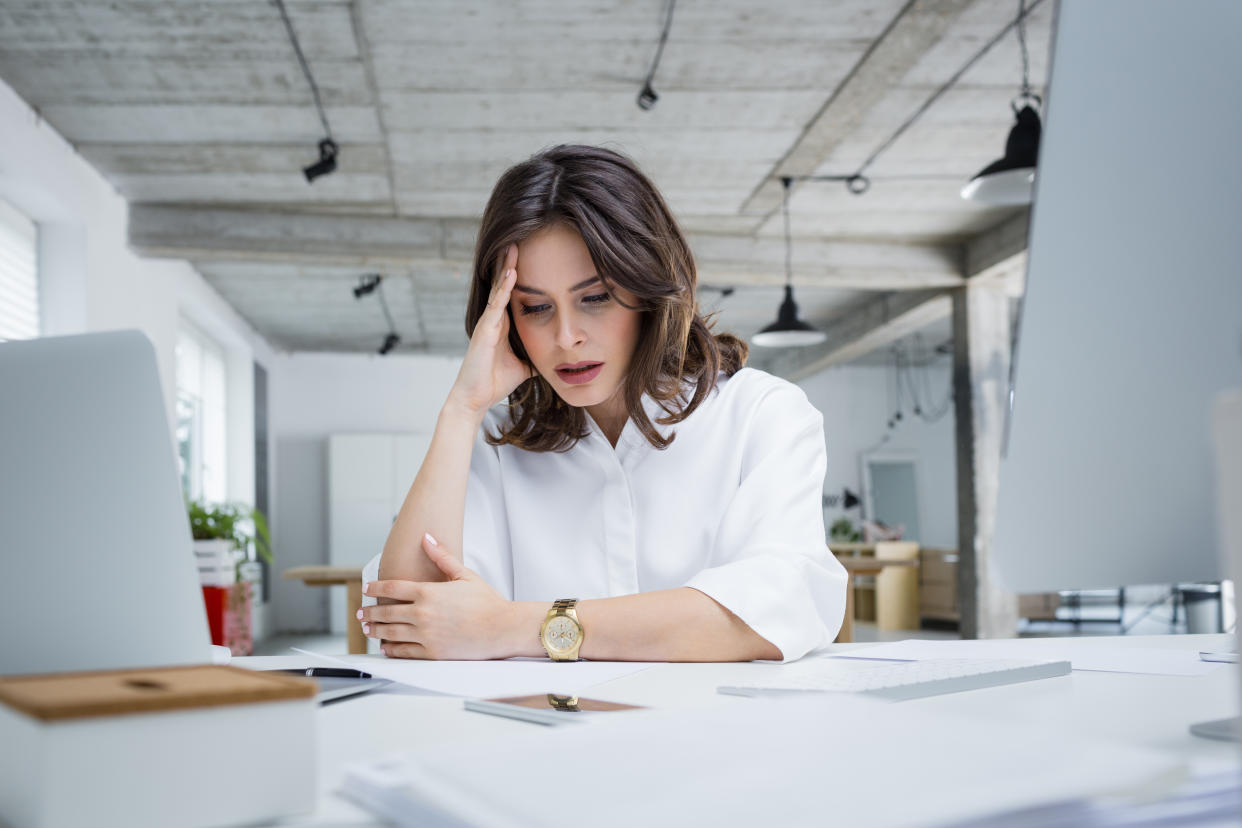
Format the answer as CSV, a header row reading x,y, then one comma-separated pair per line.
x,y
555,260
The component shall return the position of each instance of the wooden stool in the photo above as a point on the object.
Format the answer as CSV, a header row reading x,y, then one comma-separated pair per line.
x,y
861,566
351,577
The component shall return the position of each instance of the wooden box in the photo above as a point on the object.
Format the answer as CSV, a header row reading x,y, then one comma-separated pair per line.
x,y
174,746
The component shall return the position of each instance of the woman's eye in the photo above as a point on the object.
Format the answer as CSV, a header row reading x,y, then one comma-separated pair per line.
x,y
597,299
529,309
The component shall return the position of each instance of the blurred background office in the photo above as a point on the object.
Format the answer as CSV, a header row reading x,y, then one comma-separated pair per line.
x,y
284,195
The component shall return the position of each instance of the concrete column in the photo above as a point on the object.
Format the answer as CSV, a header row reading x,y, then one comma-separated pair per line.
x,y
980,390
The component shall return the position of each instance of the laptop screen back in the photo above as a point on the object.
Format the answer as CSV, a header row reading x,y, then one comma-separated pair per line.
x,y
98,568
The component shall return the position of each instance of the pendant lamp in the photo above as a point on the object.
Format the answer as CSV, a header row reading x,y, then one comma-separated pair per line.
x,y
1010,180
788,329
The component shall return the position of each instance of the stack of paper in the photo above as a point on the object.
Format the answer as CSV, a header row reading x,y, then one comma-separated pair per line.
x,y
821,761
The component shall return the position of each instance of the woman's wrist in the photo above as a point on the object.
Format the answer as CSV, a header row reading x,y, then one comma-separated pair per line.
x,y
521,633
454,412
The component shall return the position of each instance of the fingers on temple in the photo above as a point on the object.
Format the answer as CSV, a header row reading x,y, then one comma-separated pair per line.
x,y
507,273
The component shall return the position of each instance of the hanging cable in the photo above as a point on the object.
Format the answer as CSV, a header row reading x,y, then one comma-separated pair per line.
x,y
1026,58
647,97
858,182
328,149
374,283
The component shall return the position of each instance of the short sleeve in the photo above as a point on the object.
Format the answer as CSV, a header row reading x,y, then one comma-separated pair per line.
x,y
485,532
773,566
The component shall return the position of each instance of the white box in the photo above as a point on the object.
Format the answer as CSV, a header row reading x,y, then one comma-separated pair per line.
x,y
227,763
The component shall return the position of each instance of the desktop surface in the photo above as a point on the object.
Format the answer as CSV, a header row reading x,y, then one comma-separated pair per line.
x,y
1139,711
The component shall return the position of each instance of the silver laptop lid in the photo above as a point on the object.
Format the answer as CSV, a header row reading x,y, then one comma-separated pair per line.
x,y
97,567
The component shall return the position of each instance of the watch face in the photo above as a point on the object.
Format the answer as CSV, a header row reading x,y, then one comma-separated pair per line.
x,y
561,634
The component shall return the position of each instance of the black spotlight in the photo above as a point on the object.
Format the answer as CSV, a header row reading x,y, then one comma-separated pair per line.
x,y
326,162
851,499
367,284
391,341
647,98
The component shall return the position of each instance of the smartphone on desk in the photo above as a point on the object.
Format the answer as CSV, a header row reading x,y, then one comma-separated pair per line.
x,y
546,708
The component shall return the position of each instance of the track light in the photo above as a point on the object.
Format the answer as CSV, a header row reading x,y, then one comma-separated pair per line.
x,y
391,341
647,98
367,284
326,163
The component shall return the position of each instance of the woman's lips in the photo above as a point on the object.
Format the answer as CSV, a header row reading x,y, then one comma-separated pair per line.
x,y
579,372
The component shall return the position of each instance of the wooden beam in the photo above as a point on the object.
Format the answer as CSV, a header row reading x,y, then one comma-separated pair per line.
x,y
882,321
980,394
918,27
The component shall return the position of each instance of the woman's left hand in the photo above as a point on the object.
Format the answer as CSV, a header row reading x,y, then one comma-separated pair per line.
x,y
462,618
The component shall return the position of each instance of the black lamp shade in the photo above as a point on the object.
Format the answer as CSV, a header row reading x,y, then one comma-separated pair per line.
x,y
1009,180
788,329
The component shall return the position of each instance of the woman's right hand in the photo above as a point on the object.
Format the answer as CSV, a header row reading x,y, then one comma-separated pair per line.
x,y
491,370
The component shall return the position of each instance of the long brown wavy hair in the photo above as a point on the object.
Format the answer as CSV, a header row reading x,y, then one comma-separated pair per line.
x,y
635,243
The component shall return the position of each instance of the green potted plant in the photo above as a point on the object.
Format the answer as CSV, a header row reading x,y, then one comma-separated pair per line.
x,y
843,531
223,533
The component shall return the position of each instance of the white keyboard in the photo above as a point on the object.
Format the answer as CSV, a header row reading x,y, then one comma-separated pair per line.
x,y
897,680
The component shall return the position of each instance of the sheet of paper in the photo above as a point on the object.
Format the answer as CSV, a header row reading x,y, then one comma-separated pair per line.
x,y
489,679
1082,653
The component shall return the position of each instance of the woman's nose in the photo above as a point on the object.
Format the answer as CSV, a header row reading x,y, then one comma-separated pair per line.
x,y
569,333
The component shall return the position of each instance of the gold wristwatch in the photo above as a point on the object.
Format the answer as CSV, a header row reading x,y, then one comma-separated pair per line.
x,y
561,632
569,704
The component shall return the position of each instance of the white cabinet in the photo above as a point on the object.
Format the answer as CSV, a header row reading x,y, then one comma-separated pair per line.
x,y
368,478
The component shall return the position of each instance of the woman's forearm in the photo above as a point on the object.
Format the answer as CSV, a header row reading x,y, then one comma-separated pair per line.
x,y
670,625
436,502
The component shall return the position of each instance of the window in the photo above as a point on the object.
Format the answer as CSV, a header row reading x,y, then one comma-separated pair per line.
x,y
201,408
19,283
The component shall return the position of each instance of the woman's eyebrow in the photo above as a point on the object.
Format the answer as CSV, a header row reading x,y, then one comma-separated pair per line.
x,y
537,292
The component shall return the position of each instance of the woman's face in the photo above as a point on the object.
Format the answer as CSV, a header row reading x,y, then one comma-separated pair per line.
x,y
579,337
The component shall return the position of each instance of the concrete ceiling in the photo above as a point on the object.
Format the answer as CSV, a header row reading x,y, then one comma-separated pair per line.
x,y
200,116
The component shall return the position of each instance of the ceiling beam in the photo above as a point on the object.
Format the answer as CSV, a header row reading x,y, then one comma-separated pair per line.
x,y
212,234
196,233
878,323
993,248
1000,254
917,27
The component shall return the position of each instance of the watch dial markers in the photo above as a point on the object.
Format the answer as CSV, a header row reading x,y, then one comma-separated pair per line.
x,y
562,633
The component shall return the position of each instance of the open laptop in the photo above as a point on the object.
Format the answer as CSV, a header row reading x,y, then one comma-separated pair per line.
x,y
96,564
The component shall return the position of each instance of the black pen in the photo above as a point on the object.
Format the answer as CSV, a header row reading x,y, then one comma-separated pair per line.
x,y
326,672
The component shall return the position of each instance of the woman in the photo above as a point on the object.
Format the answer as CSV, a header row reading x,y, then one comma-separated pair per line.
x,y
636,465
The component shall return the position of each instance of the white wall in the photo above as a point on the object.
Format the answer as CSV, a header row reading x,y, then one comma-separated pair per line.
x,y
312,396
91,281
857,403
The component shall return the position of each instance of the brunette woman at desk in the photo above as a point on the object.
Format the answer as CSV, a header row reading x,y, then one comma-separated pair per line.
x,y
601,442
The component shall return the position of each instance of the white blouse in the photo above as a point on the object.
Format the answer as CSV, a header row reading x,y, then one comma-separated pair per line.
x,y
732,508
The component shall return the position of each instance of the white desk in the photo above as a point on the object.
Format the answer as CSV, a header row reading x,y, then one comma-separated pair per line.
x,y
1141,710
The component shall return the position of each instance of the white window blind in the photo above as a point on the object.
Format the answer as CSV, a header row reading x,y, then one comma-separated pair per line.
x,y
201,412
19,280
